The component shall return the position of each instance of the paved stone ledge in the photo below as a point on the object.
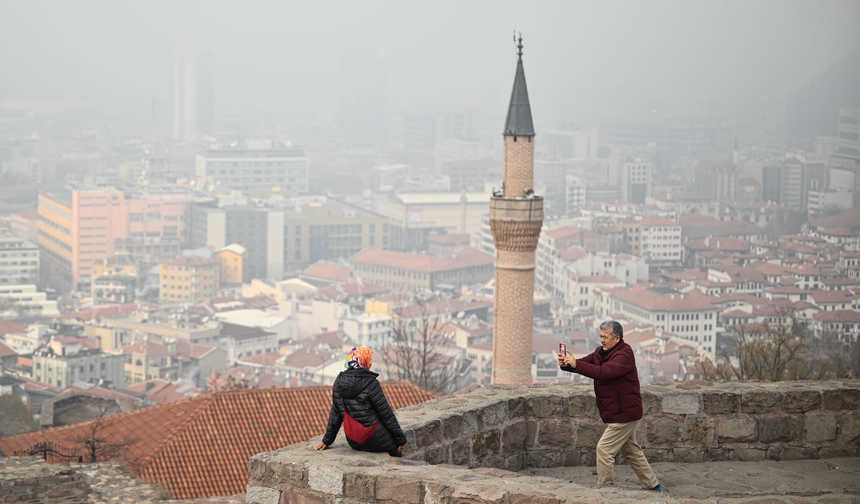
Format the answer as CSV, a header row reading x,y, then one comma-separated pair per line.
x,y
468,446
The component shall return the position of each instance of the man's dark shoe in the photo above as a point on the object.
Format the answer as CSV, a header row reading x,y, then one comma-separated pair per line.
x,y
658,488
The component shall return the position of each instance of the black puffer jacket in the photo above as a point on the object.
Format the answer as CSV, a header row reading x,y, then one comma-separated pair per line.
x,y
366,403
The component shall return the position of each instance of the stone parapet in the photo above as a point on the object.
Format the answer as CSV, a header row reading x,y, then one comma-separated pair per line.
x,y
465,447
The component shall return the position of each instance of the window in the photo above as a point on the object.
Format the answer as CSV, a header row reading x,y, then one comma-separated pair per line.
x,y
298,230
135,217
373,228
298,255
385,228
298,242
372,240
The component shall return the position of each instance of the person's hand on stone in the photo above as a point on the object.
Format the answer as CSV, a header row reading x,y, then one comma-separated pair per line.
x,y
321,446
400,448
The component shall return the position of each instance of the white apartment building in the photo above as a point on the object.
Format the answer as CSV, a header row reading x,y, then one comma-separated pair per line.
x,y
27,301
632,176
574,193
19,260
661,240
692,315
260,163
368,329
65,361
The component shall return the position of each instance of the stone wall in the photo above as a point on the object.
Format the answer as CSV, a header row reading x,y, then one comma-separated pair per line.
x,y
468,442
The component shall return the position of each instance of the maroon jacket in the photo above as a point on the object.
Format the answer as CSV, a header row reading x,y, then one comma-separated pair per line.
x,y
616,382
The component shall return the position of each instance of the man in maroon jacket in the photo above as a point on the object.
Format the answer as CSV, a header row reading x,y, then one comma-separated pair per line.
x,y
616,385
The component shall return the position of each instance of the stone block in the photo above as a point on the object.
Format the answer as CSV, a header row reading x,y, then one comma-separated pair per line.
x,y
716,455
359,486
471,422
721,403
544,458
437,493
761,402
262,495
554,433
514,436
687,455
699,430
801,401
798,453
492,412
819,427
680,404
779,428
651,403
436,455
571,458
736,430
453,427
848,427
401,490
582,406
748,455
516,408
428,434
460,450
588,458
664,430
533,498
588,434
842,399
546,406
531,433
515,462
284,475
656,454
485,444
479,494
326,479
838,451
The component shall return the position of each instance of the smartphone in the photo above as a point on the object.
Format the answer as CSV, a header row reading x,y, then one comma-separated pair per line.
x,y
562,349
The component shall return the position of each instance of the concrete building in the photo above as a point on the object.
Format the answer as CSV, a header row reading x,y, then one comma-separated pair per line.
x,y
575,194
66,360
635,178
718,179
847,154
657,240
19,260
563,143
260,229
234,264
80,226
516,218
471,174
259,164
415,216
26,301
189,279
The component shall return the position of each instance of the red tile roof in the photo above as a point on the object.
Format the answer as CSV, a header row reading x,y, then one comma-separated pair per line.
x,y
327,270
5,351
466,258
7,327
199,447
105,311
639,295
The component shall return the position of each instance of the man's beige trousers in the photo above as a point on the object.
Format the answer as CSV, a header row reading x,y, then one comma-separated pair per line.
x,y
622,436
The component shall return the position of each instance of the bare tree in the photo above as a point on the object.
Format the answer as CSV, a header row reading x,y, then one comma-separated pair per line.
x,y
419,350
100,442
779,349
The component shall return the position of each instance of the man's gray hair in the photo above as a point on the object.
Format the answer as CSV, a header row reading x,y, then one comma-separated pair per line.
x,y
614,327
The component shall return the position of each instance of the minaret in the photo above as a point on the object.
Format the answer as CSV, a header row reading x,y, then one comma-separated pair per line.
x,y
516,217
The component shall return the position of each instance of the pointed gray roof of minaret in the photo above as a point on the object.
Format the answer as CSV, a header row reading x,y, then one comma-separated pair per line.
x,y
519,120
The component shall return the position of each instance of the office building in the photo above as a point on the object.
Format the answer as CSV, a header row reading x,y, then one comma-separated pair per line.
x,y
415,216
847,155
193,93
635,180
575,192
718,179
82,225
564,143
419,133
259,164
66,360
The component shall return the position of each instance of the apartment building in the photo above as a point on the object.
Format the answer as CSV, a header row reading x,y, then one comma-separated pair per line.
x,y
234,266
655,239
691,315
189,279
114,279
415,216
68,359
258,163
19,260
718,179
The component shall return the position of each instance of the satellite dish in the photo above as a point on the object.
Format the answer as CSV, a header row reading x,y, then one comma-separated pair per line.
x,y
461,315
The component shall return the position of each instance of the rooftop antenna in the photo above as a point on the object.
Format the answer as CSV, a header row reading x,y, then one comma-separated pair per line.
x,y
520,45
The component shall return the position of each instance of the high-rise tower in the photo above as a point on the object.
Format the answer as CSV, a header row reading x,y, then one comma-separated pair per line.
x,y
516,217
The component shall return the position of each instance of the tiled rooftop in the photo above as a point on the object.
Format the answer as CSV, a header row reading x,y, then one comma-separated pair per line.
x,y
199,447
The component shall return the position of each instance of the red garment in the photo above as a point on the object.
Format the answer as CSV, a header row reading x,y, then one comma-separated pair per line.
x,y
616,382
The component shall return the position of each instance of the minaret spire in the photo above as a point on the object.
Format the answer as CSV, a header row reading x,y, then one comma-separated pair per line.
x,y
519,119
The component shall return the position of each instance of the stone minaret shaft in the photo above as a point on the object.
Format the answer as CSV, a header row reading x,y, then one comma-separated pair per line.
x,y
516,218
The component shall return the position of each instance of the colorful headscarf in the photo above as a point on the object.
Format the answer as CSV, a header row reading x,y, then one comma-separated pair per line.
x,y
359,358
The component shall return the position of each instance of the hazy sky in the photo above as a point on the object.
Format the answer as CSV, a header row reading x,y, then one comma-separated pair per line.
x,y
584,60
